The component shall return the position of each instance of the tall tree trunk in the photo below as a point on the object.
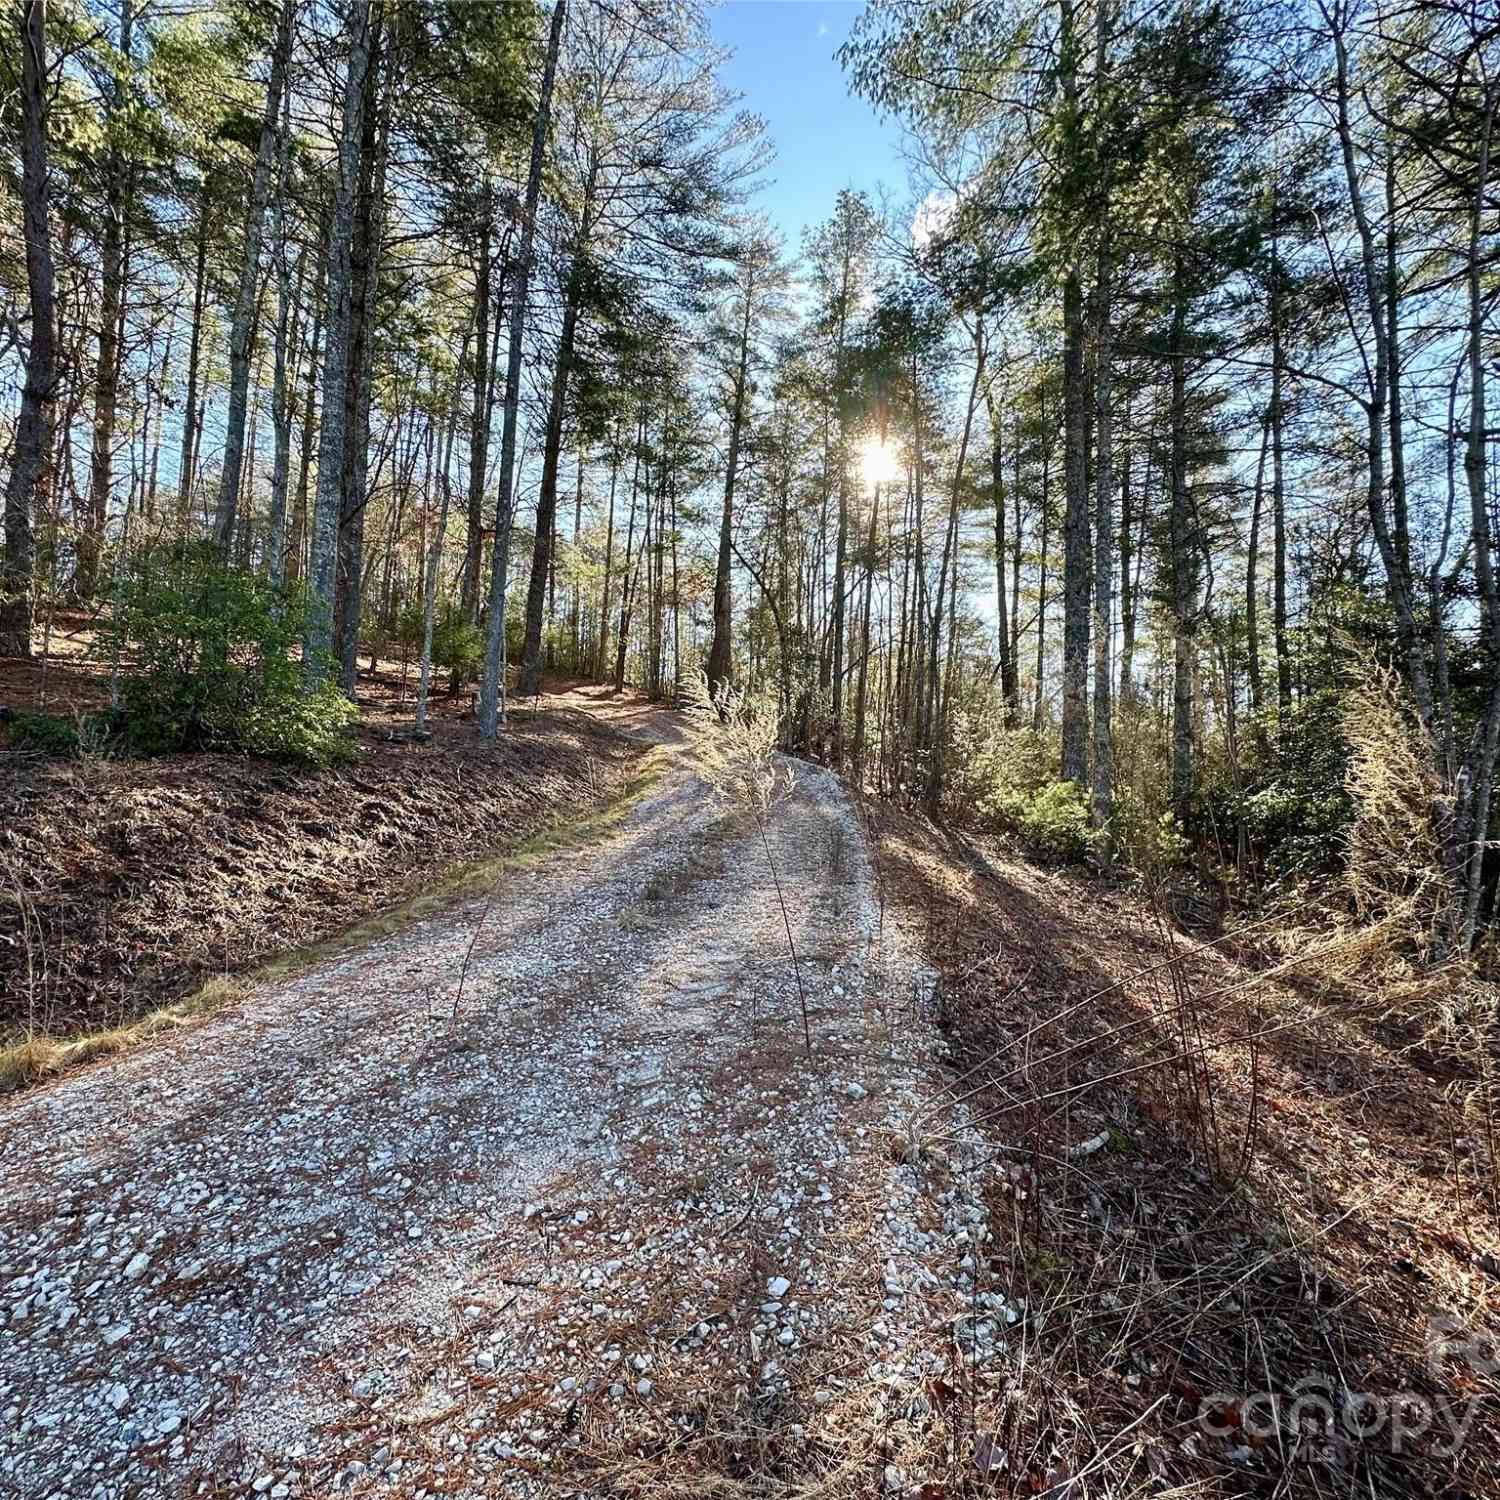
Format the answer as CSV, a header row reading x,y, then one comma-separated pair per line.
x,y
676,609
1395,551
1018,530
1394,421
1076,561
1010,691
163,373
1278,504
298,529
1104,533
242,326
935,683
493,686
864,632
1252,574
333,434
281,386
435,557
574,618
546,505
187,459
919,577
348,599
841,546
602,646
479,426
244,541
1039,700
719,651
111,307
1182,561
1480,769
281,421
33,439
1127,583
626,584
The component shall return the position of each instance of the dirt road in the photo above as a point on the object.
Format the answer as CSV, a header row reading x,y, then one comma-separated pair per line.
x,y
539,1196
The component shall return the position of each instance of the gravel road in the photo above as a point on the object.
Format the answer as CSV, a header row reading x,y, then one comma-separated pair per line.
x,y
539,1196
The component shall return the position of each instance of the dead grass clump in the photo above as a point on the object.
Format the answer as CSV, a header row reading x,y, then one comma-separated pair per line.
x,y
1395,875
27,1061
734,738
38,1056
1385,932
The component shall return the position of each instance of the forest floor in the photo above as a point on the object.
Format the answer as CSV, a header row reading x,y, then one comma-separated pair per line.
x,y
1260,1243
540,1193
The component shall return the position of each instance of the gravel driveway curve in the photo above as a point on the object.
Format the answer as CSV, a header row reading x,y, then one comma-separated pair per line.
x,y
594,1219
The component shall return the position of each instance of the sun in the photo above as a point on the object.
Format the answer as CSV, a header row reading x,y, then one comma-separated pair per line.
x,y
878,464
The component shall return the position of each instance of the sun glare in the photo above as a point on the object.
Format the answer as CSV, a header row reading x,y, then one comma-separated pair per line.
x,y
877,463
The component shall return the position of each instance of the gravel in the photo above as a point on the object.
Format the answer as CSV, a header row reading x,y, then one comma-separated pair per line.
x,y
429,1203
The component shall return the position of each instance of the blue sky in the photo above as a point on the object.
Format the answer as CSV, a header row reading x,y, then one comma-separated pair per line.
x,y
825,137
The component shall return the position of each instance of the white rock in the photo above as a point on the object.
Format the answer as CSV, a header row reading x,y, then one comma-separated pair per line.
x,y
778,1286
136,1267
856,1091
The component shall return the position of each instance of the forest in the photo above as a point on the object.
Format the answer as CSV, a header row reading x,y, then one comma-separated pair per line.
x,y
749,749
1081,490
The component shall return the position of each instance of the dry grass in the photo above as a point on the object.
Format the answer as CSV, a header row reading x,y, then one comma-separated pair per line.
x,y
38,1056
1384,930
733,738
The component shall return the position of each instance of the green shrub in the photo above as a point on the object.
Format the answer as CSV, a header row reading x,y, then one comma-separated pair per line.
x,y
457,646
1296,809
311,727
1053,821
985,760
210,664
43,734
408,631
1146,838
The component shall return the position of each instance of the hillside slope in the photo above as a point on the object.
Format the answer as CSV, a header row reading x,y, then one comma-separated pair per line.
x,y
126,883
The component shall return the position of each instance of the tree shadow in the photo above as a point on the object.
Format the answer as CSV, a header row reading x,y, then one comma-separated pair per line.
x,y
1244,1255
